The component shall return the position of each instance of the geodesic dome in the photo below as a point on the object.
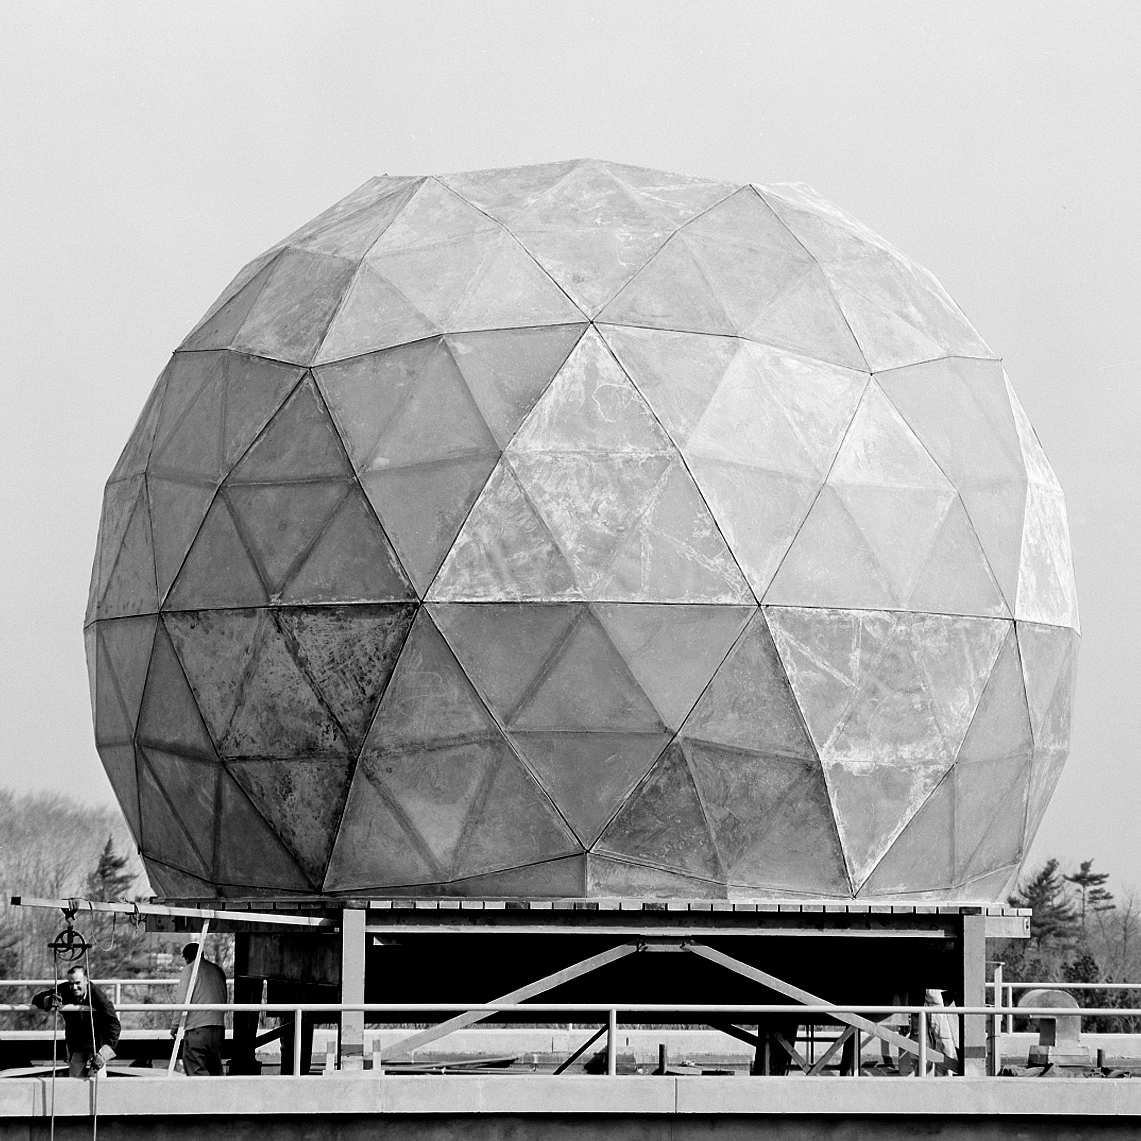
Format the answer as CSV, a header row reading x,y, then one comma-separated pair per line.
x,y
583,530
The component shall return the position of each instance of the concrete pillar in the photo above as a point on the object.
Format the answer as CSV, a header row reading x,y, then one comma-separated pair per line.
x,y
972,958
351,1047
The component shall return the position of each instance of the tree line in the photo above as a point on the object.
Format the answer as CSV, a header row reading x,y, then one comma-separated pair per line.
x,y
1080,932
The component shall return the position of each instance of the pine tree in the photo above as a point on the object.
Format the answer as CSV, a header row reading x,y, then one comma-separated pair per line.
x,y
1053,919
1091,892
118,948
110,881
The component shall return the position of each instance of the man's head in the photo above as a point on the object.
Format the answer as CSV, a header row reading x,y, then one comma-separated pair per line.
x,y
190,952
77,978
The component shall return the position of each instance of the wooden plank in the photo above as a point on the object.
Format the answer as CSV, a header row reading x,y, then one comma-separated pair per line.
x,y
582,1049
197,913
540,986
790,1050
799,995
832,1051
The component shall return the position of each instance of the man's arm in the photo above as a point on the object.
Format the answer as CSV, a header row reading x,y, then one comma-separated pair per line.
x,y
47,1000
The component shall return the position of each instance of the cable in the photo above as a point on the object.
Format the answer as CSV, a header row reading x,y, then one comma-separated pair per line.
x,y
55,1040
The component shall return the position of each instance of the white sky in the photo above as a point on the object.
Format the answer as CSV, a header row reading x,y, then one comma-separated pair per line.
x,y
149,150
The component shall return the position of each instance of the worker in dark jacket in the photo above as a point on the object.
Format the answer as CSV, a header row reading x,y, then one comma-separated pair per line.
x,y
91,1026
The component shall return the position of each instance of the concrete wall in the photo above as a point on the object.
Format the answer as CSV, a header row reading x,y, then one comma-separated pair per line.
x,y
518,1108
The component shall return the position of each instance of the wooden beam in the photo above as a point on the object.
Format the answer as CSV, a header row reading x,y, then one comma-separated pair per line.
x,y
350,1044
77,905
582,1049
832,1051
799,995
415,1041
180,1033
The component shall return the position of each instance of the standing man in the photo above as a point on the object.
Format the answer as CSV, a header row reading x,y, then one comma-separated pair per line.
x,y
91,1026
205,1029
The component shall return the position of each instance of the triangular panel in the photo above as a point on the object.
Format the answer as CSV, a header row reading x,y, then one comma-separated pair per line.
x,y
252,854
957,578
672,650
300,443
749,704
163,835
292,312
219,570
990,814
224,319
1048,654
349,653
675,552
587,687
190,785
671,291
119,764
374,315
429,700
663,822
365,393
281,522
676,373
169,717
434,792
886,688
510,290
923,857
507,370
588,775
123,656
280,713
1000,726
516,825
255,390
504,551
130,585
373,849
215,648
806,318
350,561
770,819
873,801
423,506
504,647
302,801
592,406
829,563
177,511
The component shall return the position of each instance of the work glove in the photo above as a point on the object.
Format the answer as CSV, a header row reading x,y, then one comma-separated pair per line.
x,y
101,1057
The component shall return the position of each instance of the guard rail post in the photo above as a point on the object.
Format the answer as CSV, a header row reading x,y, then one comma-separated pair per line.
x,y
612,1042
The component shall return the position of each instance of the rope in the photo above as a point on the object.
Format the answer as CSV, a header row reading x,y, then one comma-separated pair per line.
x,y
55,1039
94,1048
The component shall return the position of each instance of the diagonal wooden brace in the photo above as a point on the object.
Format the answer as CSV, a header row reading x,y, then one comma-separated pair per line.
x,y
799,995
831,1052
415,1041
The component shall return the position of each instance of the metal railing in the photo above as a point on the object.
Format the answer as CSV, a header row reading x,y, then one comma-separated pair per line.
x,y
115,985
1004,992
610,1011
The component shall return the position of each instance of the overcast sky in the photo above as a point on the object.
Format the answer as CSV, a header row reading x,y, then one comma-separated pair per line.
x,y
151,149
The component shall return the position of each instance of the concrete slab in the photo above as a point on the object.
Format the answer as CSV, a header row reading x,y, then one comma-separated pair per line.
x,y
461,1096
